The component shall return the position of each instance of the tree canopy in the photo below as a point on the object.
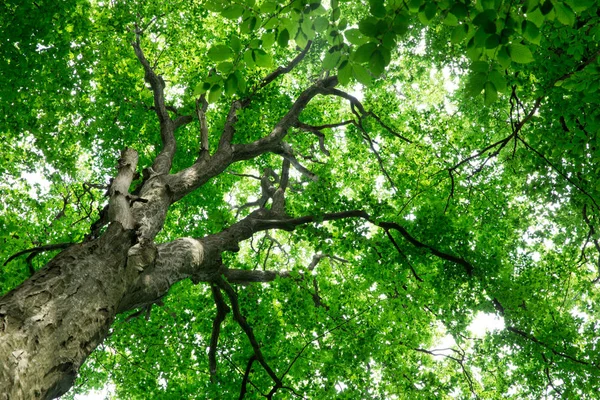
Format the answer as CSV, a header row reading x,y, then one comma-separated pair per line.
x,y
364,179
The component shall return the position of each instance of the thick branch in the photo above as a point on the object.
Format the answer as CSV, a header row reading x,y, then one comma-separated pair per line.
x,y
118,205
271,142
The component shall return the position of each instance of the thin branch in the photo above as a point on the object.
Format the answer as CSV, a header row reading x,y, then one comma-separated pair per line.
x,y
222,311
39,249
247,376
281,70
241,320
162,162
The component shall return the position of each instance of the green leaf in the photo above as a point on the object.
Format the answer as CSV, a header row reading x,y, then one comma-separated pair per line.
x,y
220,52
283,38
231,85
364,52
331,60
480,66
321,23
233,11
377,8
262,59
225,67
490,94
361,74
503,57
520,53
214,94
531,32
459,33
536,17
476,83
580,5
498,80
377,63
268,7
368,26
235,44
345,73
492,42
564,14
249,58
268,39
355,37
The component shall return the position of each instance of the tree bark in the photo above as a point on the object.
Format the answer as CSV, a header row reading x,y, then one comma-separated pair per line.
x,y
53,321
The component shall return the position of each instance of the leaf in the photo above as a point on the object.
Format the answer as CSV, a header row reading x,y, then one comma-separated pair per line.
x,y
361,74
233,11
262,59
580,5
520,53
345,73
363,53
490,94
377,8
235,44
355,37
249,58
480,66
321,23
531,32
268,39
231,85
476,83
220,52
459,33
283,38
331,60
564,14
498,80
377,63
225,67
214,94
368,26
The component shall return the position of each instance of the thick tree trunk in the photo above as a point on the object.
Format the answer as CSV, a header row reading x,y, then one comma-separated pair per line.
x,y
53,321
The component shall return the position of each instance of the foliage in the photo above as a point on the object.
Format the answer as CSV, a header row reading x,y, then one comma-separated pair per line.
x,y
472,125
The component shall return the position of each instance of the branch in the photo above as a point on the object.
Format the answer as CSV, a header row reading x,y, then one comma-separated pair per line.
x,y
39,249
241,320
201,107
271,142
280,71
119,202
162,162
222,311
247,376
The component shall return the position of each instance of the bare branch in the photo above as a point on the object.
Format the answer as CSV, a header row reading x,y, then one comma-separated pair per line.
x,y
246,377
241,320
201,107
162,162
280,71
222,311
39,249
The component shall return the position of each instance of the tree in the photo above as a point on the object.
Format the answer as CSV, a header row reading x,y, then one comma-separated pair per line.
x,y
314,194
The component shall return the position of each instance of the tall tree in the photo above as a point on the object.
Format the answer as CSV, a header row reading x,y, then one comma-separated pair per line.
x,y
315,194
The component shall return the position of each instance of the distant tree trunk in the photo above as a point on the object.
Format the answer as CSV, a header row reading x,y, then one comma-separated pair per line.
x,y
53,321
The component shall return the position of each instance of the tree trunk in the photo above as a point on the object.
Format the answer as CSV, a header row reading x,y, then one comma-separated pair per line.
x,y
53,321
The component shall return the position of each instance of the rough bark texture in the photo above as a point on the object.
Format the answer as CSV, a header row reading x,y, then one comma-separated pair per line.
x,y
53,321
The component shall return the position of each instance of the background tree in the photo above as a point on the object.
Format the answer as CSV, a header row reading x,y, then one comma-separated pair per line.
x,y
314,193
